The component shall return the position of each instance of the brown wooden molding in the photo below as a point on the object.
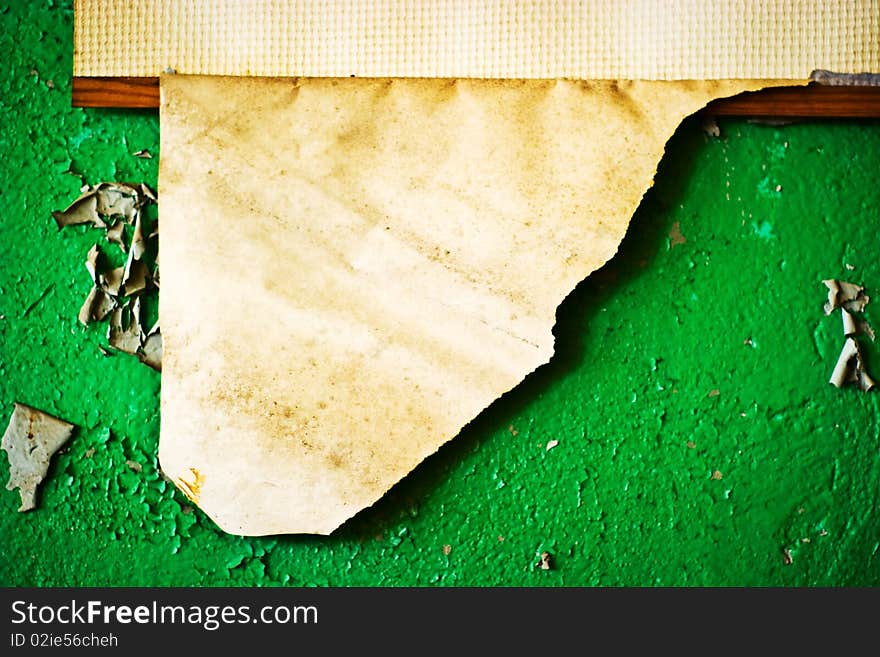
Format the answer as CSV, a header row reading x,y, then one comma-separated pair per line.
x,y
813,101
115,92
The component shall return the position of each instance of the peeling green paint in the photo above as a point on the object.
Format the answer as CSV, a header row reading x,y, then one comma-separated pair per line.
x,y
627,496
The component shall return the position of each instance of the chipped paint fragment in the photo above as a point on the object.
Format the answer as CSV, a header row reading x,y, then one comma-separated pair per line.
x,y
841,294
545,561
850,368
30,440
112,206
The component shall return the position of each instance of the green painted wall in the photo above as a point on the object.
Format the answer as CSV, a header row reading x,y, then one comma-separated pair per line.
x,y
622,499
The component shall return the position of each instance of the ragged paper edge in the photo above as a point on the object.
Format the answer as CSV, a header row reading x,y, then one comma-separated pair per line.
x,y
512,39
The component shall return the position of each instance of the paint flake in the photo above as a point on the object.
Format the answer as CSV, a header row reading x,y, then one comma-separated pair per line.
x,y
30,440
116,235
150,352
850,368
849,296
111,281
96,306
81,211
124,337
134,278
112,206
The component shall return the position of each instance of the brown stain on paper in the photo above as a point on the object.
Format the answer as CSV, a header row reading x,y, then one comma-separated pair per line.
x,y
192,489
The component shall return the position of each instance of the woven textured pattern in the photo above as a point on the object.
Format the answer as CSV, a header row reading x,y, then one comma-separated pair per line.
x,y
590,39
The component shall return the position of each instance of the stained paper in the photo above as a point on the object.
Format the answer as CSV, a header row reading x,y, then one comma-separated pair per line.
x,y
353,269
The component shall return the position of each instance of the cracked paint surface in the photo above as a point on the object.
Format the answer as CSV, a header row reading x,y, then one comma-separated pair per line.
x,y
628,494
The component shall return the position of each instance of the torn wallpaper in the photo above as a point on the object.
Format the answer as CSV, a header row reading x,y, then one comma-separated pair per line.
x,y
353,269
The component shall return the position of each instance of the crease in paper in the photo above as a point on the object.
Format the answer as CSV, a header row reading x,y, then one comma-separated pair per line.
x,y
354,269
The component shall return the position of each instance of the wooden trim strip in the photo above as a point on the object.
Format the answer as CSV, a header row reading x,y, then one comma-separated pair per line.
x,y
814,101
115,92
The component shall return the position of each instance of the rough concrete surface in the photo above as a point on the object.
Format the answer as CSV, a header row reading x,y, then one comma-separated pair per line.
x,y
699,442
